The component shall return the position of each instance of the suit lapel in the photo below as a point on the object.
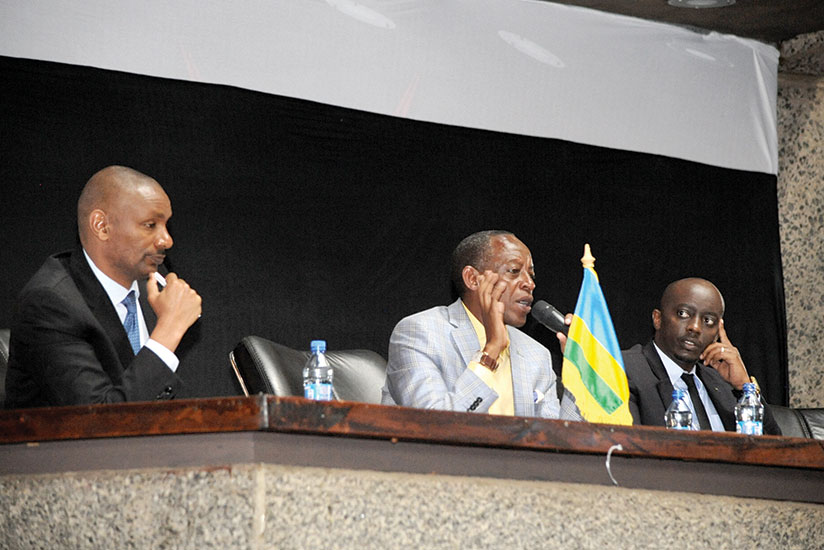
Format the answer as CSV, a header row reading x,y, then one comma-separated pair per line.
x,y
521,384
466,342
463,333
664,386
718,395
148,313
100,305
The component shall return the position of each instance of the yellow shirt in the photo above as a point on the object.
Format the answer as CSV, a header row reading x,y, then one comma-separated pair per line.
x,y
501,379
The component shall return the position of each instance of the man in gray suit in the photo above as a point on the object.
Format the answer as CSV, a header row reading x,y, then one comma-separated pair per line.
x,y
469,356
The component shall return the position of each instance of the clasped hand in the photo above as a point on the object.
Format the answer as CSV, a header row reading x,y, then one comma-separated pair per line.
x,y
177,307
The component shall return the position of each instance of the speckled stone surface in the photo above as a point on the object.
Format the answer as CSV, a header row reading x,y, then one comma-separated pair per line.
x,y
803,54
192,509
374,510
800,109
281,507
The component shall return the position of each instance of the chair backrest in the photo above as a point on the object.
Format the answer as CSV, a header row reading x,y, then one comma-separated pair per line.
x,y
5,334
261,365
807,423
792,424
814,419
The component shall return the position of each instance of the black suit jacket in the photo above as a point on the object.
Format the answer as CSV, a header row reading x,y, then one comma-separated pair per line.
x,y
68,346
650,390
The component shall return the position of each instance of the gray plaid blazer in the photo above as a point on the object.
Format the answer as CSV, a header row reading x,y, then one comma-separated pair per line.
x,y
428,355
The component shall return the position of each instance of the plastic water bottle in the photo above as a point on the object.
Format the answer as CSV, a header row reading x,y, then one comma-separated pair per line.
x,y
317,374
749,412
678,415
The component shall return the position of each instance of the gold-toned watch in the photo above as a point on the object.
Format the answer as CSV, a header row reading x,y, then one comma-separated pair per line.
x,y
486,360
757,387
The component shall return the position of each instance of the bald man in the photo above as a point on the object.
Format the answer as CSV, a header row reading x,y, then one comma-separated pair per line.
x,y
87,327
690,348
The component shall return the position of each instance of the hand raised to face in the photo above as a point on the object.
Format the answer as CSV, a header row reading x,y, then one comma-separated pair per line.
x,y
490,291
177,307
562,338
725,358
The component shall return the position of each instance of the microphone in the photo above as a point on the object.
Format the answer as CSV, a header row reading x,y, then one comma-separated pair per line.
x,y
158,277
167,263
550,317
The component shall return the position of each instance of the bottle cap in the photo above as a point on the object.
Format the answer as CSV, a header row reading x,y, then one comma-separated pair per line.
x,y
749,387
677,394
318,346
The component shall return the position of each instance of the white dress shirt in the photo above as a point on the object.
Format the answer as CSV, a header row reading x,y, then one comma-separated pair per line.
x,y
674,372
116,293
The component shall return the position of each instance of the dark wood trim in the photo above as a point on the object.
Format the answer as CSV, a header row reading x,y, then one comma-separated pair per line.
x,y
224,414
296,415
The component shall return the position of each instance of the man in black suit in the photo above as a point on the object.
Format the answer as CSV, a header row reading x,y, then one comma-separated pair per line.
x,y
689,340
78,335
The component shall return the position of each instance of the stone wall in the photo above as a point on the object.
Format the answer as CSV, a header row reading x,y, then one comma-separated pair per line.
x,y
801,212
262,507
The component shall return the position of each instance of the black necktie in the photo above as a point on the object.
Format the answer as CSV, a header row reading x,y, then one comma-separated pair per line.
x,y
703,419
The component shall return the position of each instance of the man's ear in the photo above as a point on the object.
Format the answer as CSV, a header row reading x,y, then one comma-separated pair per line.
x,y
470,277
99,224
656,318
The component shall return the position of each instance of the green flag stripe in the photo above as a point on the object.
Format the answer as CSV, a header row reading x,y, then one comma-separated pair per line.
x,y
600,390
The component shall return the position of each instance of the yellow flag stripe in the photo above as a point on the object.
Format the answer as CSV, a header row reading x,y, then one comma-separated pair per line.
x,y
603,395
587,405
599,359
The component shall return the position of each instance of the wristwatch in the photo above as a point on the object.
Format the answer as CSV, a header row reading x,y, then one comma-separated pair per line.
x,y
757,387
486,360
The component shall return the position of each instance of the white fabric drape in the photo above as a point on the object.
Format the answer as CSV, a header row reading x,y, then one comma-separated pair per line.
x,y
525,67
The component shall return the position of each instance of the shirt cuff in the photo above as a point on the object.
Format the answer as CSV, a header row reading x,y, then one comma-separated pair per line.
x,y
164,353
482,372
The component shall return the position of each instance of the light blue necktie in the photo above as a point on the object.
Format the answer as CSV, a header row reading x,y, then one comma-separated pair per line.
x,y
130,322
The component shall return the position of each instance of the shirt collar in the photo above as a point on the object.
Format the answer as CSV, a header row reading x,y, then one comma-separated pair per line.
x,y
673,370
114,290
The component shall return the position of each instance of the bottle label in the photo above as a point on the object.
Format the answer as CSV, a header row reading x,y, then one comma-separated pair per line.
x,y
676,427
749,427
319,391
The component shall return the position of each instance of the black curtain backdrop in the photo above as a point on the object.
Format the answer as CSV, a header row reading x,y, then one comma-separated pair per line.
x,y
297,220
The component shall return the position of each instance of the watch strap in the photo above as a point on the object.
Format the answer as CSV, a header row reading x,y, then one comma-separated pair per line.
x,y
486,360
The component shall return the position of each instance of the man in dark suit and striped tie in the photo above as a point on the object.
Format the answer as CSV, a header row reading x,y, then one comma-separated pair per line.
x,y
92,325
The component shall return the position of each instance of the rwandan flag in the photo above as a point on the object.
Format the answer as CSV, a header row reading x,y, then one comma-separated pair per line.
x,y
593,370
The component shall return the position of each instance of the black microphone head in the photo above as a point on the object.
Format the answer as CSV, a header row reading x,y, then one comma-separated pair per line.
x,y
548,316
167,263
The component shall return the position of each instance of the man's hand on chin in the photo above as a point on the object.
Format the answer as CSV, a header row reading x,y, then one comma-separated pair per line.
x,y
177,307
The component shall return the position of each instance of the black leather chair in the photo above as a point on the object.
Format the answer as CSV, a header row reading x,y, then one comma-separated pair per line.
x,y
815,421
261,365
4,362
807,423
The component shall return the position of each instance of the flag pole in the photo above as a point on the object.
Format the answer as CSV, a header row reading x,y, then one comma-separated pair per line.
x,y
587,260
593,372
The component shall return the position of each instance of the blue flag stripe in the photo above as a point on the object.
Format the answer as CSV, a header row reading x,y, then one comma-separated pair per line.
x,y
592,308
